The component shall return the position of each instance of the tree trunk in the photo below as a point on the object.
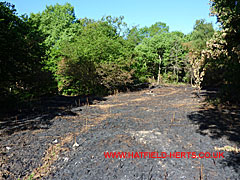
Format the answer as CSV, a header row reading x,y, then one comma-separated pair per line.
x,y
174,72
177,76
159,70
191,77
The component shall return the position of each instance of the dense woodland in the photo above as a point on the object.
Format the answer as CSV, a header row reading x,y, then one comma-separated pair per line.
x,y
53,52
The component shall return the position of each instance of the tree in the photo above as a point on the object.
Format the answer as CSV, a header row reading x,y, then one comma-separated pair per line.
x,y
135,36
223,50
202,32
102,59
20,52
162,51
197,42
227,13
58,24
157,28
119,26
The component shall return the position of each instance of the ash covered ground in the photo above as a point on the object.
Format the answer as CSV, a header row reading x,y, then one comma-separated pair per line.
x,y
70,144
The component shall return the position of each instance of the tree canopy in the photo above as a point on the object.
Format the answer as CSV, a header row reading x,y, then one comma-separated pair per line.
x,y
21,54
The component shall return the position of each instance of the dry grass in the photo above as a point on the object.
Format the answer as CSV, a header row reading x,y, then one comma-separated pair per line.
x,y
137,119
227,148
51,156
53,152
186,105
170,93
141,99
107,106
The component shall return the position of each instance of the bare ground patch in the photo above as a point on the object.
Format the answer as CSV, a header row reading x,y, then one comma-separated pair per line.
x,y
168,119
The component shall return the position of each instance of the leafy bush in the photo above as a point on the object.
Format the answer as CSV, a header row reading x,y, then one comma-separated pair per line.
x,y
76,77
112,76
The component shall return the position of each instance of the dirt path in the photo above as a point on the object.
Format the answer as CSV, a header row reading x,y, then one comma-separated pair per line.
x,y
170,119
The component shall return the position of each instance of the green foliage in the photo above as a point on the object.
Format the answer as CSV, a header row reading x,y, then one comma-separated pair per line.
x,y
20,51
195,43
134,36
76,77
157,28
163,52
202,32
96,60
117,23
57,24
86,56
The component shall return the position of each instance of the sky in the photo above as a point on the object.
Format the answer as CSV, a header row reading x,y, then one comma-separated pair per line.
x,y
179,15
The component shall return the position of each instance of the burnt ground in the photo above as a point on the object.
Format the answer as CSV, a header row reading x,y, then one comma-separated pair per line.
x,y
70,143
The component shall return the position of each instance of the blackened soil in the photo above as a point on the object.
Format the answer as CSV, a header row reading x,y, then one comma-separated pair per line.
x,y
169,119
